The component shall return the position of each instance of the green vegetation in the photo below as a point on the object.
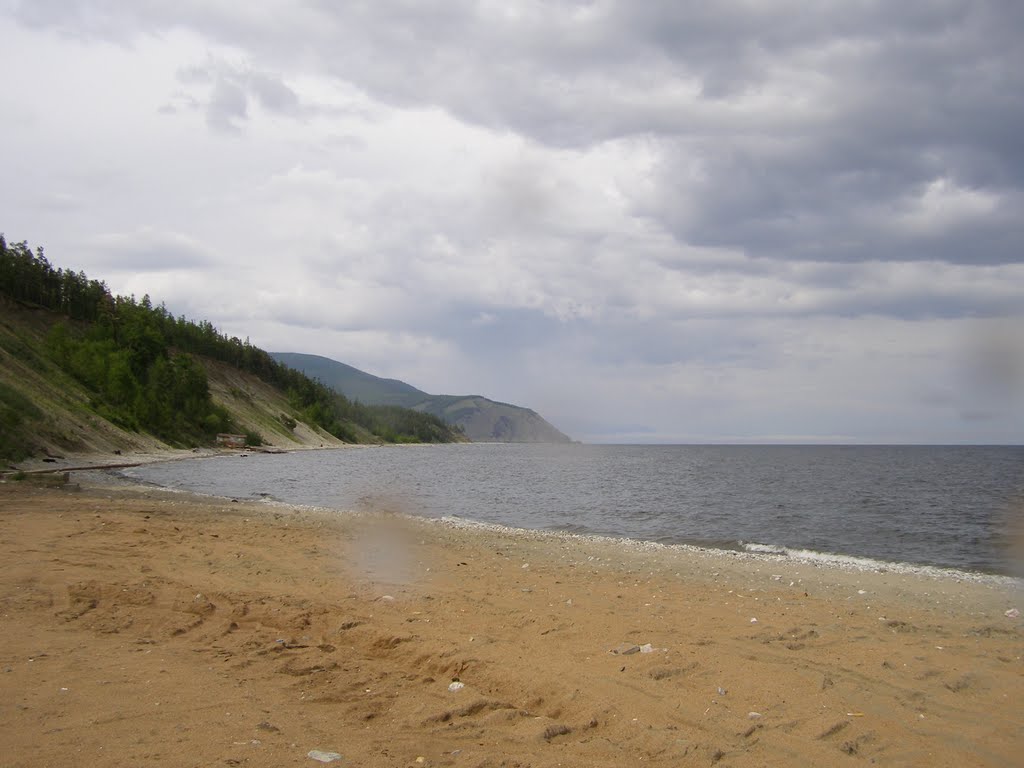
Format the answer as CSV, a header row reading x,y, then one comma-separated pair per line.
x,y
142,366
138,384
15,410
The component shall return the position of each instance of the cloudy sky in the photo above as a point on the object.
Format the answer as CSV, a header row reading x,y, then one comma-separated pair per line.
x,y
652,222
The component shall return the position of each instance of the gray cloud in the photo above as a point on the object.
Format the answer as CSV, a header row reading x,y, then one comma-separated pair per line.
x,y
811,130
273,94
223,91
227,107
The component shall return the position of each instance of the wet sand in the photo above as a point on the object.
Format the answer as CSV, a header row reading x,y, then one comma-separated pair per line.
x,y
142,627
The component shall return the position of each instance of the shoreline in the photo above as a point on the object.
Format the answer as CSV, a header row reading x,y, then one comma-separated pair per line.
x,y
743,550
810,558
831,569
148,625
97,461
825,565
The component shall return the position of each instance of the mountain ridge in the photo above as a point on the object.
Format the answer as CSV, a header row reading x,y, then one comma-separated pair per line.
x,y
479,417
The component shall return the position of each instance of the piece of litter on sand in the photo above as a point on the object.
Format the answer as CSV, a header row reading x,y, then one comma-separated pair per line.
x,y
753,715
626,649
456,686
646,648
323,757
753,621
855,714
1013,613
721,691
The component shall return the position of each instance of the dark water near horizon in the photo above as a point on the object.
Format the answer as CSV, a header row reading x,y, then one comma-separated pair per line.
x,y
950,506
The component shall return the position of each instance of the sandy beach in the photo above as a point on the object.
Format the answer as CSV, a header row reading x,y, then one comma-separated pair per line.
x,y
142,627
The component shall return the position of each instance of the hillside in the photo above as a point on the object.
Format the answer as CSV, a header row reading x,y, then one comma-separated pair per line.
x,y
46,411
84,371
482,419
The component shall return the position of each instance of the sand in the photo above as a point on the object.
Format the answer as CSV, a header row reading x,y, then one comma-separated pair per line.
x,y
142,627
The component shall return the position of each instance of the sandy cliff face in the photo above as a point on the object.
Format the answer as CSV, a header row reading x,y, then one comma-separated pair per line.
x,y
255,405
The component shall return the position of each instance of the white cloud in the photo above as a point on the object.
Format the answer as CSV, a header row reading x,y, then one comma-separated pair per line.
x,y
942,205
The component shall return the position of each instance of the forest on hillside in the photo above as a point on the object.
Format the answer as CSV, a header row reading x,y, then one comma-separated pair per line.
x,y
139,362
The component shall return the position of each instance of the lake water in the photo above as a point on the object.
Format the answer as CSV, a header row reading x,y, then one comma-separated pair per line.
x,y
954,507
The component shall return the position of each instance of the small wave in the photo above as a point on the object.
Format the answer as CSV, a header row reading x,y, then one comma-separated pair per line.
x,y
569,528
825,558
857,563
764,549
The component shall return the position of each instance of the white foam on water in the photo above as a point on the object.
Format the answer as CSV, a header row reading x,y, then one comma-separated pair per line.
x,y
768,549
857,563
